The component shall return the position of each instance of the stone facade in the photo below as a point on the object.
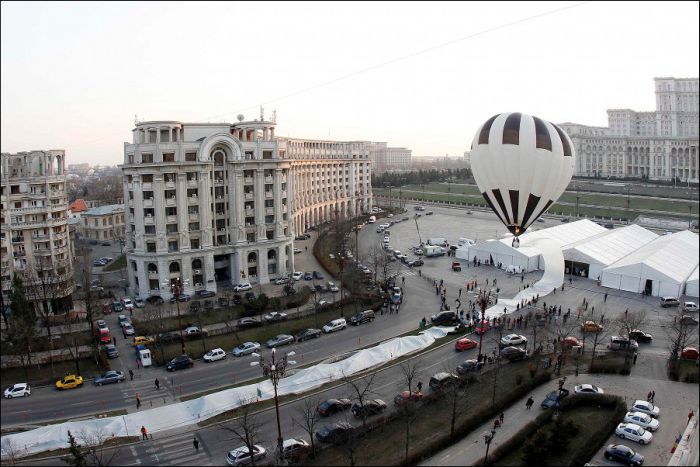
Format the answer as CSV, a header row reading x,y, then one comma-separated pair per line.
x,y
386,158
104,223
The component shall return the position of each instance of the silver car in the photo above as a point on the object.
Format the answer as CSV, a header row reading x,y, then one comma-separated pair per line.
x,y
246,348
281,339
241,456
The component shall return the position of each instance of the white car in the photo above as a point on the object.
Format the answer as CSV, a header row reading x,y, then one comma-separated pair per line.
x,y
588,389
643,420
282,280
513,339
645,407
390,215
241,456
335,325
129,329
297,251
275,316
633,432
123,320
298,275
139,303
214,355
690,306
18,390
128,304
243,287
332,287
246,348
194,331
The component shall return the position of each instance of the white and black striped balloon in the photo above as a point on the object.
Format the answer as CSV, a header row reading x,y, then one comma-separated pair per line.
x,y
522,164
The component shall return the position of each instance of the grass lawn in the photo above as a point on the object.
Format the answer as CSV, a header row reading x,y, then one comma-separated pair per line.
x,y
46,374
116,265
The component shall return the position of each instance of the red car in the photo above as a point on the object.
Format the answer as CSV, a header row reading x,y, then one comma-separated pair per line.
x,y
690,353
407,397
464,344
571,341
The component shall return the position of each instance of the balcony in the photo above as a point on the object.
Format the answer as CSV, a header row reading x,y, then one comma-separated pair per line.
x,y
193,216
130,186
42,252
148,203
284,193
268,179
249,212
147,186
270,211
170,219
149,220
220,214
153,274
218,181
268,195
249,196
168,202
192,183
192,200
170,184
248,180
284,208
252,263
18,240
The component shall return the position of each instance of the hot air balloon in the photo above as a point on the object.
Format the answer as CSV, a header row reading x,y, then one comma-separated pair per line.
x,y
522,164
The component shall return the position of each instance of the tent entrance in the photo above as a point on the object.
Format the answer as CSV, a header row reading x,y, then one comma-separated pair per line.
x,y
648,287
576,268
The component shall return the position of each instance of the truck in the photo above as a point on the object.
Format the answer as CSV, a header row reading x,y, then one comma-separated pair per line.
x,y
437,241
431,251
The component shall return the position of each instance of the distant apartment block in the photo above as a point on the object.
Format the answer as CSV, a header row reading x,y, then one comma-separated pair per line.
x,y
660,145
34,237
385,158
103,223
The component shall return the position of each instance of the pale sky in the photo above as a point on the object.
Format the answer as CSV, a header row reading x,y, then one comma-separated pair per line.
x,y
422,75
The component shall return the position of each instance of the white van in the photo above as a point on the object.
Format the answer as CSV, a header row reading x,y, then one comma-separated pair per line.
x,y
371,220
437,242
465,241
335,325
145,356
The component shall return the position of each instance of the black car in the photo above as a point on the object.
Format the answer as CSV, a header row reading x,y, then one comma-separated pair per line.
x,y
206,293
513,354
334,432
289,290
416,262
250,322
318,275
553,398
237,299
111,351
308,276
307,334
195,306
640,336
155,300
467,366
179,363
168,338
249,296
445,318
429,213
332,406
623,454
368,408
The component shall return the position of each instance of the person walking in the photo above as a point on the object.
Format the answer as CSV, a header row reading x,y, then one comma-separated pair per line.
x,y
144,433
131,374
114,340
653,394
157,384
124,332
195,441
420,386
306,248
649,397
605,297
138,402
460,293
501,417
634,359
528,404
690,415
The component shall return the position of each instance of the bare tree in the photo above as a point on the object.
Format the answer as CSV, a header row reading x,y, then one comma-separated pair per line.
x,y
630,320
361,389
11,451
94,445
309,419
245,429
598,337
83,274
22,325
682,332
456,394
560,331
409,372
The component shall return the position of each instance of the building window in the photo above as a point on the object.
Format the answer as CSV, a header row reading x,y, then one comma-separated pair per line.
x,y
250,236
149,230
194,243
191,156
169,157
151,247
194,226
171,229
270,234
172,246
147,158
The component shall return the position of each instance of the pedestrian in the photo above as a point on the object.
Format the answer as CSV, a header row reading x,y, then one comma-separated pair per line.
x,y
144,433
124,332
690,415
501,417
403,280
420,386
196,443
529,403
138,402
649,397
460,292
522,277
653,395
114,340
605,297
131,374
634,359
157,384
306,248
487,282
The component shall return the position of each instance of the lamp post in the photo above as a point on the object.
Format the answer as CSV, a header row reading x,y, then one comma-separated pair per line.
x,y
275,368
488,437
176,287
482,300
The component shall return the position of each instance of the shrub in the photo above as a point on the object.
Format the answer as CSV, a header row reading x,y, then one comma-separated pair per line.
x,y
104,361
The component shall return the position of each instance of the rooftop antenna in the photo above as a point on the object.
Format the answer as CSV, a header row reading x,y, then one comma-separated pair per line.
x,y
262,113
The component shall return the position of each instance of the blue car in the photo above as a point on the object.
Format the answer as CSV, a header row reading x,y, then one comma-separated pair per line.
x,y
109,377
308,276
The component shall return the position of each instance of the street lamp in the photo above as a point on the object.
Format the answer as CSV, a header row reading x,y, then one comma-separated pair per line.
x,y
488,437
483,301
275,368
176,287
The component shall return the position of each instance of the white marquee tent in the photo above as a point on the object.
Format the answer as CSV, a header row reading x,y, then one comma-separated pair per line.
x,y
691,285
602,250
660,267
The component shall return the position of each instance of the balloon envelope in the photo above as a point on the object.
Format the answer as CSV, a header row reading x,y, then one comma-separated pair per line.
x,y
522,164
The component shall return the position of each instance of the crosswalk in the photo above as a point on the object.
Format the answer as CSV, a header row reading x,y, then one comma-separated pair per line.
x,y
177,450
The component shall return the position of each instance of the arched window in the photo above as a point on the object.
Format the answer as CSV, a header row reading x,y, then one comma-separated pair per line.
x,y
271,254
218,156
252,257
174,266
197,263
152,267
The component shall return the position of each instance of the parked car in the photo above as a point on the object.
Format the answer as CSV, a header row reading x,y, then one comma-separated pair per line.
x,y
623,454
154,300
456,266
513,354
214,355
587,389
18,390
249,322
642,419
318,275
129,329
445,318
295,450
335,325
246,348
307,334
571,341
168,338
249,296
689,353
366,316
371,407
183,297
282,280
645,407
139,303
206,293
554,397
111,351
633,432
332,287
179,363
128,304
669,301
143,340
242,456
308,276
279,340
690,307
69,382
591,326
275,316
237,299
467,366
297,275
109,377
117,306
333,406
640,336
102,324
334,432
442,380
464,344
689,321
404,398
513,339
243,287
195,306
416,262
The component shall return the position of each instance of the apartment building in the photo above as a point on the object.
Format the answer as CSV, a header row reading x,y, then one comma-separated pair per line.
x,y
34,238
385,158
208,202
103,223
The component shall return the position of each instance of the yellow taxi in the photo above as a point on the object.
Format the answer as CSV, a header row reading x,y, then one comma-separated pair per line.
x,y
69,382
143,340
591,326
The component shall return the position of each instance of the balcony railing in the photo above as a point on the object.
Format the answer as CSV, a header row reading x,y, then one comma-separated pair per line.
x,y
148,203
270,211
171,219
249,196
268,179
218,181
249,212
149,220
153,274
147,186
248,180
192,200
170,202
192,183
193,216
169,184
268,195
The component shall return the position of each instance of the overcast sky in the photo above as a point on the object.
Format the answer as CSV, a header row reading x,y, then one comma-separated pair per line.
x,y
419,75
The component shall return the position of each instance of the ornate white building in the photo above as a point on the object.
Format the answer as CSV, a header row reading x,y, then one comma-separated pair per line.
x,y
661,145
34,238
210,202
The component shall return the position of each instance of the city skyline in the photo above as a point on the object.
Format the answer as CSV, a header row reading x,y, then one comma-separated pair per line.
x,y
350,75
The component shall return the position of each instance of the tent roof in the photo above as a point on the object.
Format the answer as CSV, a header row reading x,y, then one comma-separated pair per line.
x,y
562,234
609,246
693,278
675,256
497,246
